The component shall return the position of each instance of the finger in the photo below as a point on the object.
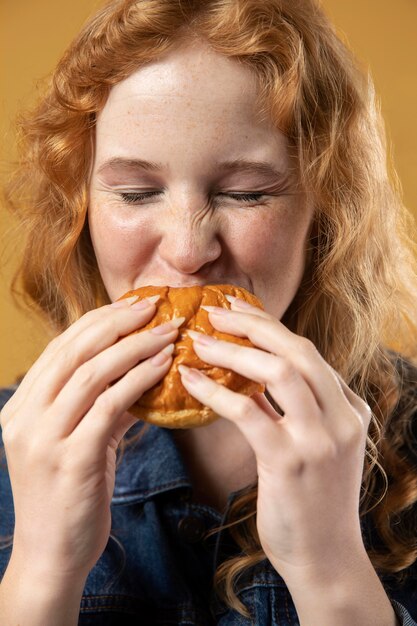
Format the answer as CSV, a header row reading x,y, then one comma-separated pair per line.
x,y
283,381
361,407
265,436
74,348
69,334
271,335
238,304
102,420
92,378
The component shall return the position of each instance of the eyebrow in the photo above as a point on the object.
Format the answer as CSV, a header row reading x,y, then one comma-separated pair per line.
x,y
242,165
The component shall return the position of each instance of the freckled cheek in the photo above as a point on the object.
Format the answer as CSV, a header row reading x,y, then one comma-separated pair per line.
x,y
271,252
120,247
269,245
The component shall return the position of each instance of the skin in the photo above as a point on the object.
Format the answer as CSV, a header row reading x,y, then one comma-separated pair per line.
x,y
63,425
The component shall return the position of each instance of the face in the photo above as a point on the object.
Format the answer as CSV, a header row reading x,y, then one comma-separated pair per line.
x,y
189,187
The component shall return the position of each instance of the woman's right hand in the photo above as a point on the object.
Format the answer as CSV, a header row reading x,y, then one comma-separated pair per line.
x,y
61,430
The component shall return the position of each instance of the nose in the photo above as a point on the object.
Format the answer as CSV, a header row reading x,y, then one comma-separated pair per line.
x,y
188,243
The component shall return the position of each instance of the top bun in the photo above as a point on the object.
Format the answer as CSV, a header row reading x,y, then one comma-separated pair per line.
x,y
168,403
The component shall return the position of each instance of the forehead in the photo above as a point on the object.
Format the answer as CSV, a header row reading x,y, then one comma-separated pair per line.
x,y
192,99
192,86
191,80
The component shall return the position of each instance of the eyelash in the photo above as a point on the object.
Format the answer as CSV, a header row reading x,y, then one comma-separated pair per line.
x,y
132,198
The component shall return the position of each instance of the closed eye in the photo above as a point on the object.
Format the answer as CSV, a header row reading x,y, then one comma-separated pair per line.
x,y
133,197
245,197
136,197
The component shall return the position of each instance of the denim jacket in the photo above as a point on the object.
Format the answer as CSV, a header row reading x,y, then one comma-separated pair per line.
x,y
157,567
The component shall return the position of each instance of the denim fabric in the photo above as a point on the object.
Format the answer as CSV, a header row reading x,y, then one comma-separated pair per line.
x,y
163,574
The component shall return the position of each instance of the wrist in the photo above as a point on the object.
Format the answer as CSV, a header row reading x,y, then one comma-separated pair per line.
x,y
329,571
29,595
51,578
349,593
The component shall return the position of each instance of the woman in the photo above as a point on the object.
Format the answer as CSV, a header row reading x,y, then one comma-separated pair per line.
x,y
187,143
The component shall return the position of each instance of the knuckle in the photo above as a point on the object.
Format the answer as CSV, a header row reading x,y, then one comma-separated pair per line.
x,y
4,416
212,392
68,357
53,345
12,436
110,327
283,371
329,449
92,314
7,434
306,346
86,375
365,410
354,435
61,350
6,421
251,326
245,407
36,453
105,404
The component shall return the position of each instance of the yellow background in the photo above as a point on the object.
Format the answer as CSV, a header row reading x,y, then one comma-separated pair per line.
x,y
34,33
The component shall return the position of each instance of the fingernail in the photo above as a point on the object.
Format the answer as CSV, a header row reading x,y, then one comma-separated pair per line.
x,y
145,303
205,340
124,302
238,302
190,374
168,327
163,356
217,310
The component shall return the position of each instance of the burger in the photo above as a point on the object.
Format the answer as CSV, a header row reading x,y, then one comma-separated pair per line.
x,y
168,403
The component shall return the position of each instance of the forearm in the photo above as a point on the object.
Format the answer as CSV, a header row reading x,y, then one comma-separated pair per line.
x,y
28,599
354,595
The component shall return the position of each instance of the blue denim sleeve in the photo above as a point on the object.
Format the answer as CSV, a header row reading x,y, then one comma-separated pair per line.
x,y
403,615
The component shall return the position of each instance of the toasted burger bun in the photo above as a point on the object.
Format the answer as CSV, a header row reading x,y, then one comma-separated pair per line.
x,y
168,403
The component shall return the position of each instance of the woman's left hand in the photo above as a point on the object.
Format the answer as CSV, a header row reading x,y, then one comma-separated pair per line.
x,y
310,460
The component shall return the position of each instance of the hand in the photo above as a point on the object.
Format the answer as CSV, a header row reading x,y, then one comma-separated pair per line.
x,y
310,459
61,430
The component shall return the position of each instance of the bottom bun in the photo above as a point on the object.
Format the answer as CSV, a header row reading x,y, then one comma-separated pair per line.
x,y
180,418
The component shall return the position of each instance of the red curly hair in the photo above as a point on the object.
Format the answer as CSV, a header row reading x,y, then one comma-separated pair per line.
x,y
358,298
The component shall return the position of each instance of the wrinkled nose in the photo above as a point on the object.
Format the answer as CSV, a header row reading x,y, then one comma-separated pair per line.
x,y
188,244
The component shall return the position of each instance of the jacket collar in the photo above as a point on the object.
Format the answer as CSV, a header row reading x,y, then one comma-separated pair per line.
x,y
151,466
